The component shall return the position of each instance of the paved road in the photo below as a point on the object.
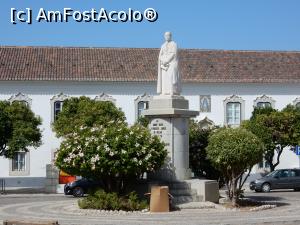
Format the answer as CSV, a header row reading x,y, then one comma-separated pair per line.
x,y
63,209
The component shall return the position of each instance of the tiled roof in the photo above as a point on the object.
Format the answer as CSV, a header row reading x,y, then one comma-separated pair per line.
x,y
137,65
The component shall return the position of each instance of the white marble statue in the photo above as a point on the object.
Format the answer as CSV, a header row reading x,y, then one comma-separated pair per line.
x,y
168,82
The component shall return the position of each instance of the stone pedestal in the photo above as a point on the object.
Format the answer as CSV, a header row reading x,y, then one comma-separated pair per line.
x,y
52,177
169,119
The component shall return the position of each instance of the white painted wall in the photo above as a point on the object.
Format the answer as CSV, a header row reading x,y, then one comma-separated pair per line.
x,y
125,93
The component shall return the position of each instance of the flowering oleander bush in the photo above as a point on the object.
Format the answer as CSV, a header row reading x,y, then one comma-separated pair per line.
x,y
84,111
112,153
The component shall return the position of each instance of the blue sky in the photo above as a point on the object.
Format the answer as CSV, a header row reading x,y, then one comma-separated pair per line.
x,y
204,24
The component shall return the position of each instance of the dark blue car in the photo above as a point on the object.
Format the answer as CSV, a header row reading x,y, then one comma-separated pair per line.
x,y
79,188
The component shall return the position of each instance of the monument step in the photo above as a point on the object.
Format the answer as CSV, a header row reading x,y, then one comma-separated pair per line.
x,y
179,192
179,185
186,199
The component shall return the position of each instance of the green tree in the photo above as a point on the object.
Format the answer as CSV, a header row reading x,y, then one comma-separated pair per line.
x,y
84,111
112,154
198,141
19,128
277,130
234,151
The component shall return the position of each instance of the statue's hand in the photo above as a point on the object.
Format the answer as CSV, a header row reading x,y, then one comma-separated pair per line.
x,y
164,67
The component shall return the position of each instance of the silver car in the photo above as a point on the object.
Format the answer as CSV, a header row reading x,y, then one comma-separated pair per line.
x,y
278,179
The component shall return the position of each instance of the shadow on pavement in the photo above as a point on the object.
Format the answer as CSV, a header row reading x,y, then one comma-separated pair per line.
x,y
272,200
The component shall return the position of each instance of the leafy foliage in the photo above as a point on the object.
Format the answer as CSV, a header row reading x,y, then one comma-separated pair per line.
x,y
200,164
19,128
84,111
233,151
277,130
111,201
144,121
112,153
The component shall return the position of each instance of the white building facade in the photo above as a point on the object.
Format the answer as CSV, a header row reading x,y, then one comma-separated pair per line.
x,y
225,101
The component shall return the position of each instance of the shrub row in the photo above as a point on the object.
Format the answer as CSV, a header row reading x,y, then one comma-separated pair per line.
x,y
111,201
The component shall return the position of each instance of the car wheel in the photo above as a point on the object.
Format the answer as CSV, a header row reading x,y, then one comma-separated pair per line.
x,y
78,192
266,187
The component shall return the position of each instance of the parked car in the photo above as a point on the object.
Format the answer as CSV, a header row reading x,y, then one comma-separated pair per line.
x,y
79,188
278,179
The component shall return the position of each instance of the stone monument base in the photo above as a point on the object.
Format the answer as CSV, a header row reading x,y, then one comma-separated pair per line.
x,y
169,118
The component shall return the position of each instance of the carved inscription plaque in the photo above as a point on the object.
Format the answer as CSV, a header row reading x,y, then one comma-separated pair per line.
x,y
161,128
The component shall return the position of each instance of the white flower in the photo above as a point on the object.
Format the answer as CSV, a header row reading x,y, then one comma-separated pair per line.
x,y
148,156
93,167
106,148
93,129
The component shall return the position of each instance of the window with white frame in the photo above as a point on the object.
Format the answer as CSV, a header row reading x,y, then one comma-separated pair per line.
x,y
21,98
264,102
263,164
19,164
233,113
57,108
264,105
234,110
57,102
141,104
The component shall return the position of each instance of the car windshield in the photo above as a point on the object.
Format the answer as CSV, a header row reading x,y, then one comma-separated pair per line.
x,y
272,174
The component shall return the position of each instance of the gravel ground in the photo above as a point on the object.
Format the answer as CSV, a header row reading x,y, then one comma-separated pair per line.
x,y
65,210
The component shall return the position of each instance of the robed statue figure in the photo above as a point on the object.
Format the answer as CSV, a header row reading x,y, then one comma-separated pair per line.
x,y
168,82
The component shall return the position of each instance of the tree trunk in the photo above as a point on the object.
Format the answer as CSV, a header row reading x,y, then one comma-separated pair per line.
x,y
272,167
234,200
279,150
270,158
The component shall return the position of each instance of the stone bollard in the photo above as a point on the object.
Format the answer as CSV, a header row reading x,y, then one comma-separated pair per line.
x,y
52,178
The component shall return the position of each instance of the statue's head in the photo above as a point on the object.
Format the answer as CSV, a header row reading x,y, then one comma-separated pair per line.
x,y
168,36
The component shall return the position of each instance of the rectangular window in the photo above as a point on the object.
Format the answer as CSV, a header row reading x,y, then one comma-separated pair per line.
x,y
263,164
264,105
233,113
57,108
142,105
19,162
